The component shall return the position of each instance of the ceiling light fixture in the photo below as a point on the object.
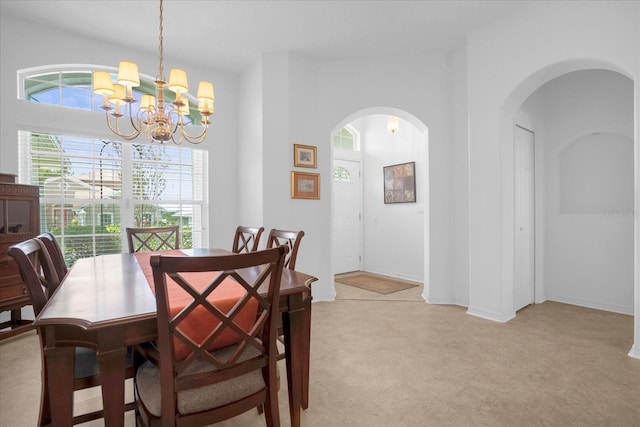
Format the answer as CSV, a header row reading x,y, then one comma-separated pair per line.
x,y
156,118
393,124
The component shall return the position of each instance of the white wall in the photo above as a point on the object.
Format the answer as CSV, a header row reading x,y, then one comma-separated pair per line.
x,y
507,61
250,169
459,178
393,233
588,119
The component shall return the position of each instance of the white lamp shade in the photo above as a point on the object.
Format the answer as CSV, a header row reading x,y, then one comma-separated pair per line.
x,y
178,80
205,91
118,95
147,102
102,83
128,74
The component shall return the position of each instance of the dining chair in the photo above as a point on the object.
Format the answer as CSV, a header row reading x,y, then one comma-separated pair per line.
x,y
38,272
55,253
246,239
153,239
217,354
291,239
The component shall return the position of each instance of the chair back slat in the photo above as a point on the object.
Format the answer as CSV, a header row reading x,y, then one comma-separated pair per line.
x,y
291,239
37,271
55,253
246,239
153,239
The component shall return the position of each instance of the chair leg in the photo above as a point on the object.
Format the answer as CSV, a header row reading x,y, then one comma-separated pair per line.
x,y
271,409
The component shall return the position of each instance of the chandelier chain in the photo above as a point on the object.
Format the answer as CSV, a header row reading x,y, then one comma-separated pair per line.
x,y
161,76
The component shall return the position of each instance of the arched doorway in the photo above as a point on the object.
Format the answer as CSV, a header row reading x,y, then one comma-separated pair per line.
x,y
510,111
394,239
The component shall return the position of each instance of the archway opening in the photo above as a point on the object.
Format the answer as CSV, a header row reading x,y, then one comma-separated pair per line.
x,y
392,238
583,113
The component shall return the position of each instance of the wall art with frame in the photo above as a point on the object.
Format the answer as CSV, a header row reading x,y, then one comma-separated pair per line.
x,y
305,156
400,183
305,185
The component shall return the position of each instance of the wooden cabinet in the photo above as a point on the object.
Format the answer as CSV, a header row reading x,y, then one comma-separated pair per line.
x,y
19,221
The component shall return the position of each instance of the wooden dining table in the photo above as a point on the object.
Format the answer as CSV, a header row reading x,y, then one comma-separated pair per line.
x,y
106,303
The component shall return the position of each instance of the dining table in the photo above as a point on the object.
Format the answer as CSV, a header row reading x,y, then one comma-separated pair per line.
x,y
106,303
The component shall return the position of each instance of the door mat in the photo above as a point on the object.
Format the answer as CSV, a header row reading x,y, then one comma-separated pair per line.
x,y
374,282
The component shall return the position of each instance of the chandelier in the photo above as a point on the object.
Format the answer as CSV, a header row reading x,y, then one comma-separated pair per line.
x,y
159,119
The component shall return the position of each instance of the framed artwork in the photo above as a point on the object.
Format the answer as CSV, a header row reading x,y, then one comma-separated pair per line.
x,y
304,156
305,185
400,183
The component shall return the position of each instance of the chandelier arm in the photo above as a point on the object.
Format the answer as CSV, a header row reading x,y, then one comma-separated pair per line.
x,y
117,131
193,139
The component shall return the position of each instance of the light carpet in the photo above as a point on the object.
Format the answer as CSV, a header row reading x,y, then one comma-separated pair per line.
x,y
412,364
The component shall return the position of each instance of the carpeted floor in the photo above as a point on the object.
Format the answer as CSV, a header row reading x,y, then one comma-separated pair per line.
x,y
411,364
374,282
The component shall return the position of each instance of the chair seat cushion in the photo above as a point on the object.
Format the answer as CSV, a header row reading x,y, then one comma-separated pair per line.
x,y
202,398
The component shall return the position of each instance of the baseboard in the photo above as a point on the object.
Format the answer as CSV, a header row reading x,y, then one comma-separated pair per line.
x,y
395,276
591,304
635,351
445,301
490,315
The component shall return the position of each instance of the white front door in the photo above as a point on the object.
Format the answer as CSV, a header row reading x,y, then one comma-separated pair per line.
x,y
524,257
347,217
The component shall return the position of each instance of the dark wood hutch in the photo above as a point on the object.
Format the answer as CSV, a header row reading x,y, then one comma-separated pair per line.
x,y
19,221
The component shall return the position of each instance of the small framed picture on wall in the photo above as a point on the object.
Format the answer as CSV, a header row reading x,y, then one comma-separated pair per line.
x,y
305,185
304,156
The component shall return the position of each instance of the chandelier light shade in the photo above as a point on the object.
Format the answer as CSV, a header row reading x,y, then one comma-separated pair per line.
x,y
161,121
393,124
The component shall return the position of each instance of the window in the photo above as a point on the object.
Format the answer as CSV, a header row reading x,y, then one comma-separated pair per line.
x,y
91,189
347,138
72,88
340,174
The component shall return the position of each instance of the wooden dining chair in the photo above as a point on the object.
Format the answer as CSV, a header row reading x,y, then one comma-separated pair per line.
x,y
246,239
39,274
55,253
216,355
291,239
153,239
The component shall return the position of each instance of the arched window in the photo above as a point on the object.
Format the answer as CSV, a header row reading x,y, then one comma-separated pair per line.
x,y
340,174
346,139
92,188
72,88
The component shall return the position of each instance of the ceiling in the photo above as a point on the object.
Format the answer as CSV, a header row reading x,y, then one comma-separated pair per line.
x,y
230,35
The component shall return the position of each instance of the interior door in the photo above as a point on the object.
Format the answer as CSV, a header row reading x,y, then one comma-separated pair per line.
x,y
347,217
524,257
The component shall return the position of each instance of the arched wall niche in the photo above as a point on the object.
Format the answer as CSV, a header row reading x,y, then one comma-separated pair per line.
x,y
589,168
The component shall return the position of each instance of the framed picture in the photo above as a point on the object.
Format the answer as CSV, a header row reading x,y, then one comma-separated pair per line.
x,y
304,156
400,183
305,185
